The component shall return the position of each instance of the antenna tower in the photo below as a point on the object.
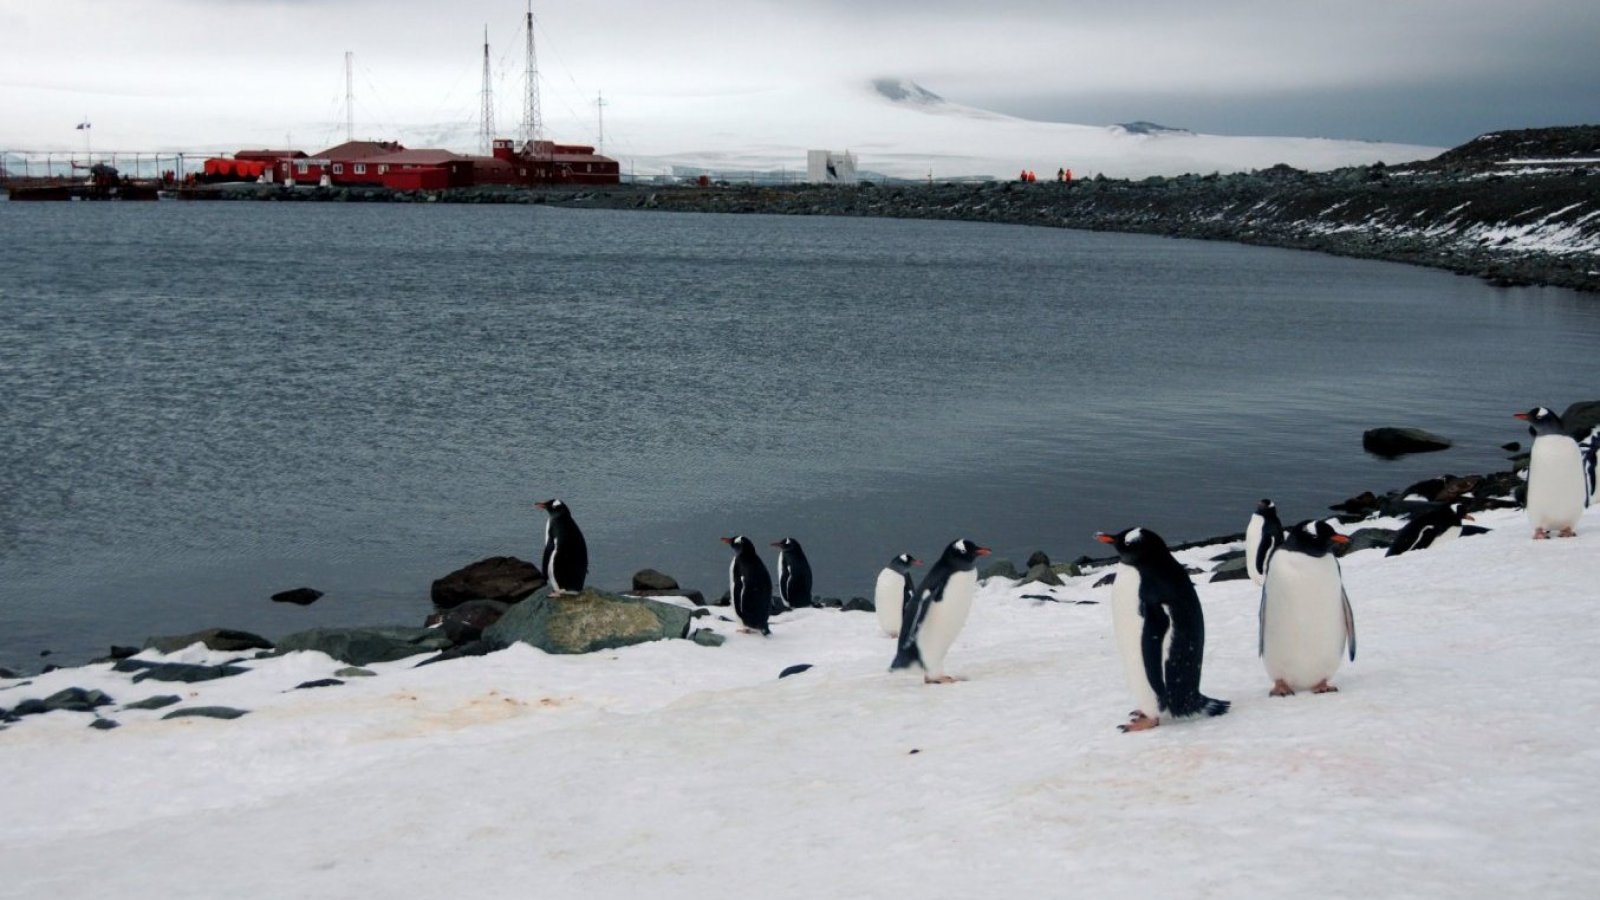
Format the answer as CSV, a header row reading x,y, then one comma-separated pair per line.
x,y
532,124
349,96
600,115
486,126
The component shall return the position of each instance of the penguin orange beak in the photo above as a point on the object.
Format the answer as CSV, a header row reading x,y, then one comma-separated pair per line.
x,y
728,541
1104,538
916,562
982,551
777,543
1339,539
1468,517
1522,416
542,504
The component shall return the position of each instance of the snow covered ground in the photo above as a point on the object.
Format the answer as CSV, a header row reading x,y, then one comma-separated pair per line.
x,y
899,129
1458,760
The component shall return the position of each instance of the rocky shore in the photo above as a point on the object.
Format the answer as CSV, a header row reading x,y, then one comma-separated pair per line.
x,y
1514,208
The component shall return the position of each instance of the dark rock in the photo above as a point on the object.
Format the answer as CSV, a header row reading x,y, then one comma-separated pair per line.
x,y
1580,417
1400,441
589,621
1000,568
1428,488
186,673
462,651
725,600
1236,553
1231,569
77,699
364,646
105,724
1106,579
794,670
354,672
208,712
1362,504
224,639
7,673
1473,530
1512,447
1066,570
28,708
651,580
302,596
859,604
827,602
159,701
1038,559
1041,574
320,682
503,578
1368,539
693,596
118,652
705,637
48,669
465,623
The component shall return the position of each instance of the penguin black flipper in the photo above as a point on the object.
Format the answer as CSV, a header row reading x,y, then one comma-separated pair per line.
x,y
1261,625
912,617
1152,643
1349,619
1590,447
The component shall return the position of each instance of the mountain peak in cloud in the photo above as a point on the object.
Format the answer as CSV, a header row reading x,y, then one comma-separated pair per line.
x,y
904,90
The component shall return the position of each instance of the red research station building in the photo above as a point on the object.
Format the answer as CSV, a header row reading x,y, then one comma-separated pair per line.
x,y
388,164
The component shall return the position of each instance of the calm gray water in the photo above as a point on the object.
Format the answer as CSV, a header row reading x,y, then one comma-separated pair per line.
x,y
203,404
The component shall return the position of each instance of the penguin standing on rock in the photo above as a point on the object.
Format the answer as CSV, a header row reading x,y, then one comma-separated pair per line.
x,y
1161,631
794,573
1433,528
895,595
1305,622
1261,537
566,556
749,586
1556,489
937,612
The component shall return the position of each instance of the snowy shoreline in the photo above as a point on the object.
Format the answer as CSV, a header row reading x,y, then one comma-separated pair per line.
x,y
1455,761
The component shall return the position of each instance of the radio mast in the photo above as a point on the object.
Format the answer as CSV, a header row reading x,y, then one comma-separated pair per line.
x,y
532,124
349,96
486,126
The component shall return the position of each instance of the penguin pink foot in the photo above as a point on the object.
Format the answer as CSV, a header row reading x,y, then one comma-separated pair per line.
x,y
1140,722
1323,687
942,679
1281,688
1568,532
1539,534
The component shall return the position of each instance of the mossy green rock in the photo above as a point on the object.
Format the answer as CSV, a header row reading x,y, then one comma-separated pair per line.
x,y
586,622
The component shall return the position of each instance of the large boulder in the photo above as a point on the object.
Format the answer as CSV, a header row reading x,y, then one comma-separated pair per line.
x,y
301,596
1581,416
226,640
503,578
466,623
364,646
586,622
651,580
1400,441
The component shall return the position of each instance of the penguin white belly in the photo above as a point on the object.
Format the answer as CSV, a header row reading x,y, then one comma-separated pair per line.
x,y
1252,542
1445,537
1129,628
1555,482
889,596
944,621
784,574
1305,637
550,572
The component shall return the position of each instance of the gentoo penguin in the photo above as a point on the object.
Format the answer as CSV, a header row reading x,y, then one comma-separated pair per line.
x,y
1161,631
794,573
1556,488
566,556
1306,622
1439,525
1591,447
1261,537
749,585
938,610
895,593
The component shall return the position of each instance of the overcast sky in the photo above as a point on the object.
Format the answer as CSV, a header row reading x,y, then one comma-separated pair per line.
x,y
203,73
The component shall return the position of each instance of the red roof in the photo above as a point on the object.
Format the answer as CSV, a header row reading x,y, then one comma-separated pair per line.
x,y
360,149
270,154
416,158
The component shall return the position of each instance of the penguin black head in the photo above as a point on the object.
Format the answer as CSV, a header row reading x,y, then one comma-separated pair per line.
x,y
787,544
1313,537
553,506
1459,511
1265,506
1135,545
1541,421
739,543
903,563
963,554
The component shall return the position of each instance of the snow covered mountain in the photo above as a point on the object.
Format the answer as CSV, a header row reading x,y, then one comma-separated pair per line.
x,y
898,128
